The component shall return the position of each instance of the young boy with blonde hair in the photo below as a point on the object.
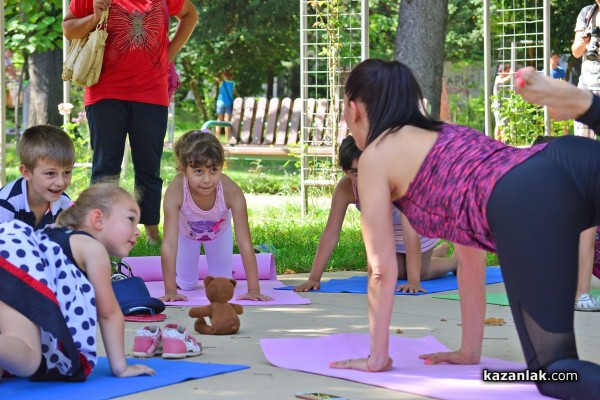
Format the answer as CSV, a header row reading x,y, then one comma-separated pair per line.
x,y
47,157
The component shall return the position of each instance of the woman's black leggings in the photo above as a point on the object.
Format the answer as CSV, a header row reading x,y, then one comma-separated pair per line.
x,y
536,213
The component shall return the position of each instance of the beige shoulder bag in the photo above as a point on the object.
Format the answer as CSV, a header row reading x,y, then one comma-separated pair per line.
x,y
84,57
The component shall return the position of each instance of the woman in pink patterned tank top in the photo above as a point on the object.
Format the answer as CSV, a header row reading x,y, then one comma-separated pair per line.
x,y
455,183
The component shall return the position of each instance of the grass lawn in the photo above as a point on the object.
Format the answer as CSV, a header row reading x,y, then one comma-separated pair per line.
x,y
272,192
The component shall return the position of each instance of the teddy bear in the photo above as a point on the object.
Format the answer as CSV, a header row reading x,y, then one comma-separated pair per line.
x,y
223,315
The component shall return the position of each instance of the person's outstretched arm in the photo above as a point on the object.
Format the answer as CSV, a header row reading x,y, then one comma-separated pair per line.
x,y
342,197
188,18
93,255
471,287
235,199
378,235
172,202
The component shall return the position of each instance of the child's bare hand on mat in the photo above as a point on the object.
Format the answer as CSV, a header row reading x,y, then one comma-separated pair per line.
x,y
363,364
254,295
136,370
410,288
308,285
453,357
173,296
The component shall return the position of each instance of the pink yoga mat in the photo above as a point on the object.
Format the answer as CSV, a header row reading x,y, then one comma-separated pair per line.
x,y
409,374
149,269
197,297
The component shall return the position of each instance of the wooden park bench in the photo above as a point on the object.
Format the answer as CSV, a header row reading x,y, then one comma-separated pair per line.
x,y
265,128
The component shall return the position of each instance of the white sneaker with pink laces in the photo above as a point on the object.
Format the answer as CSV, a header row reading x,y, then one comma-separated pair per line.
x,y
177,343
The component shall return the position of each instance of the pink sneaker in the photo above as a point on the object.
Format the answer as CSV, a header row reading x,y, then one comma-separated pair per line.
x,y
177,343
146,341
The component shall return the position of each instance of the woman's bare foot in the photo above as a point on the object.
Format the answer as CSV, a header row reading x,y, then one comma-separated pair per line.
x,y
564,100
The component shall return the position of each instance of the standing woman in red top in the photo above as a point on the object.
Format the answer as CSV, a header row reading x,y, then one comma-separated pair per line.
x,y
131,97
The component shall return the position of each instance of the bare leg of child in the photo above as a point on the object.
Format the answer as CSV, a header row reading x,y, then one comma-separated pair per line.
x,y
227,118
441,250
434,267
431,267
218,128
20,343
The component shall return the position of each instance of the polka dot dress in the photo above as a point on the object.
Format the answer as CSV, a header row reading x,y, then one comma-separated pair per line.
x,y
47,270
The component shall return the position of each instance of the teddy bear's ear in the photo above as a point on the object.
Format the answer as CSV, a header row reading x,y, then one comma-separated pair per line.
x,y
233,281
208,280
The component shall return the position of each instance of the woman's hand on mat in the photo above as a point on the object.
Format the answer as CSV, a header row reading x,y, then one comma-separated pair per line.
x,y
453,357
136,370
173,296
363,364
410,288
254,295
308,285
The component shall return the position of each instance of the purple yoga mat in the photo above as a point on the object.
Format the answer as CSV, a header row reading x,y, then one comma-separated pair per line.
x,y
409,374
197,297
149,268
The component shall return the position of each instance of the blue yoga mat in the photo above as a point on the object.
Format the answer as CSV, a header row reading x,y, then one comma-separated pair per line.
x,y
358,284
102,385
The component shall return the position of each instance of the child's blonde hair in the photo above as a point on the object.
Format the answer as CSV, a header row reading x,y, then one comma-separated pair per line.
x,y
102,196
46,142
198,148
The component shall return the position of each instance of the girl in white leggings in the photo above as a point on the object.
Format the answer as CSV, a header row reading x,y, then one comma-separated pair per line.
x,y
198,207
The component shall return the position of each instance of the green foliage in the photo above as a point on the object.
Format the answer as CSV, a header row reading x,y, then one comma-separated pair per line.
x,y
33,25
562,22
383,22
524,121
266,183
297,241
78,131
253,37
464,38
468,111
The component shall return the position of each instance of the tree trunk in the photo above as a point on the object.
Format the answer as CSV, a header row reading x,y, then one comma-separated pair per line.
x,y
45,87
420,42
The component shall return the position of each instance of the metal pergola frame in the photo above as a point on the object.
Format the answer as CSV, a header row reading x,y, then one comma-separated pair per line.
x,y
489,74
306,74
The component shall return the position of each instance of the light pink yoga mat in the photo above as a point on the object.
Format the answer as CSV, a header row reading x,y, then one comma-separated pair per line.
x,y
197,297
149,269
409,374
